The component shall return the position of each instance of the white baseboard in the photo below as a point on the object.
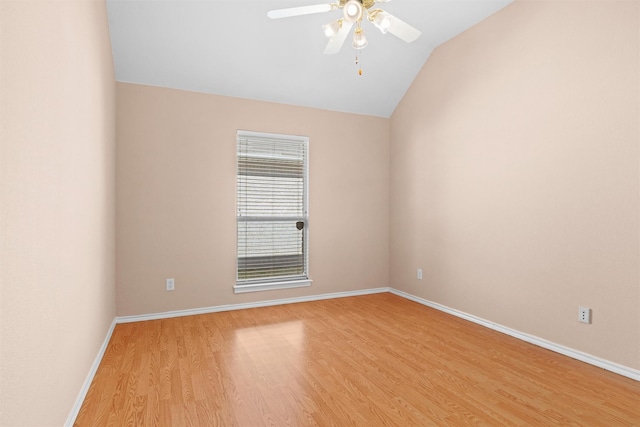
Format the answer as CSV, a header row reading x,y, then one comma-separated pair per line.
x,y
634,374
230,307
87,382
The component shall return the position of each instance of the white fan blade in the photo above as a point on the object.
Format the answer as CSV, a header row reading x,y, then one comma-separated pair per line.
x,y
301,10
336,42
402,30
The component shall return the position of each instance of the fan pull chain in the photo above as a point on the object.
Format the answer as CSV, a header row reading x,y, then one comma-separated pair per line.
x,y
358,63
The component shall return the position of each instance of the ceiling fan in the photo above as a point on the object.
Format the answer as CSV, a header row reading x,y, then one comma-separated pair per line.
x,y
354,12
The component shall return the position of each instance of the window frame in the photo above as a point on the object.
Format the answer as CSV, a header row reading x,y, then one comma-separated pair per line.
x,y
273,283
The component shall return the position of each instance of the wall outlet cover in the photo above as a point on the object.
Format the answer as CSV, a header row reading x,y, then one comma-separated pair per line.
x,y
584,314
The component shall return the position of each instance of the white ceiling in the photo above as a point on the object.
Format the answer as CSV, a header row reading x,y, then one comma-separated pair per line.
x,y
231,48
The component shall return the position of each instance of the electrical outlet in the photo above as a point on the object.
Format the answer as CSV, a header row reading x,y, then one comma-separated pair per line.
x,y
419,274
584,314
171,284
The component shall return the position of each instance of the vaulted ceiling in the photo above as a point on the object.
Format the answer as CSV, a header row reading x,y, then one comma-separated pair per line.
x,y
231,48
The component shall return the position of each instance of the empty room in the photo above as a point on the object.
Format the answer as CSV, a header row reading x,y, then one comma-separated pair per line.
x,y
296,213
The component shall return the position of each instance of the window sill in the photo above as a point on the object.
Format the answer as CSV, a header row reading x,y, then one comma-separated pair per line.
x,y
258,287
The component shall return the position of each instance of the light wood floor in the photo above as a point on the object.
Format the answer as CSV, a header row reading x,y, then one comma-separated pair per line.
x,y
365,361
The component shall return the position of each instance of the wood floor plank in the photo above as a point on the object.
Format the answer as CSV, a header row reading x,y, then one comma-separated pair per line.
x,y
376,360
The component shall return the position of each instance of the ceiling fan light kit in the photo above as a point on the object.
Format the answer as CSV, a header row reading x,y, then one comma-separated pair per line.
x,y
332,28
354,11
381,19
359,40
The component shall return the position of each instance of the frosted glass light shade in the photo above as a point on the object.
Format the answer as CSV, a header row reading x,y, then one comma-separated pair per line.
x,y
353,11
359,40
332,28
382,21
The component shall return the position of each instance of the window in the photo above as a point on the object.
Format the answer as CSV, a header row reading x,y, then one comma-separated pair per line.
x,y
272,212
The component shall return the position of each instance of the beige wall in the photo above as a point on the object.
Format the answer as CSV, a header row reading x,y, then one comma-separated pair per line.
x,y
176,197
514,175
57,216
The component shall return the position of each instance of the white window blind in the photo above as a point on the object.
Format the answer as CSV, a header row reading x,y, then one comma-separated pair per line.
x,y
272,214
